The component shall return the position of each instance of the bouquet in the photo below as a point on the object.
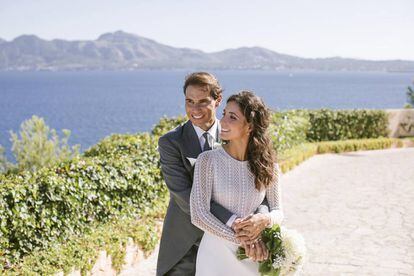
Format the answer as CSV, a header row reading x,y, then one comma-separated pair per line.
x,y
286,252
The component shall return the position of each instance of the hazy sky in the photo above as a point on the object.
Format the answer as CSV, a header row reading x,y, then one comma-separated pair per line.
x,y
370,29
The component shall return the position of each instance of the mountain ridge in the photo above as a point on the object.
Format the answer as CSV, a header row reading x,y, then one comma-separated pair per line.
x,y
125,51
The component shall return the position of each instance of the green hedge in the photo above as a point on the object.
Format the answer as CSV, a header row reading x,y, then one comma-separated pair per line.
x,y
299,153
119,175
294,127
356,145
292,157
333,125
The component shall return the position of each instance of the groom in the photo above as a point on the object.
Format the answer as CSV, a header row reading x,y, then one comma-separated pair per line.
x,y
178,150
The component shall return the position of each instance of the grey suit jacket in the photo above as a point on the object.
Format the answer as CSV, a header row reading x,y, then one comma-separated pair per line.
x,y
178,149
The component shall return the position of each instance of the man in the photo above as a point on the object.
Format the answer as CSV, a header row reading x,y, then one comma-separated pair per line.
x,y
178,150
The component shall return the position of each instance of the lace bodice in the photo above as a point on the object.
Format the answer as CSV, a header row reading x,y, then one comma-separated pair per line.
x,y
228,182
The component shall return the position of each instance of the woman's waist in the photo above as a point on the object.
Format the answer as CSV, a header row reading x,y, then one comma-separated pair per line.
x,y
218,242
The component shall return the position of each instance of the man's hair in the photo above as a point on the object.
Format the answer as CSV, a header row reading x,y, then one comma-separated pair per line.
x,y
206,81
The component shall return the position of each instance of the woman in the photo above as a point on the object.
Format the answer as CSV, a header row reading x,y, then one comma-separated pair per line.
x,y
238,176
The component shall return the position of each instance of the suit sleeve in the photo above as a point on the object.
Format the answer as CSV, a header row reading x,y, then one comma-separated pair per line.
x,y
175,175
178,179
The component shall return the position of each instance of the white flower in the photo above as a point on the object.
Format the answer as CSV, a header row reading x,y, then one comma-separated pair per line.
x,y
294,249
278,263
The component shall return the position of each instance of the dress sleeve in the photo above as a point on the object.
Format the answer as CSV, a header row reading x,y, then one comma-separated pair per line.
x,y
274,198
200,199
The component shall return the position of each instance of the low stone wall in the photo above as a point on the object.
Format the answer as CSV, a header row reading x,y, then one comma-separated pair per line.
x,y
400,122
136,263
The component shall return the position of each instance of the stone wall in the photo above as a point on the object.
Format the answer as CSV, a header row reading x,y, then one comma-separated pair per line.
x,y
135,263
401,122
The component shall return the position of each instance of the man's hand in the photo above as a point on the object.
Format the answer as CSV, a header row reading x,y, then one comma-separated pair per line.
x,y
248,229
257,251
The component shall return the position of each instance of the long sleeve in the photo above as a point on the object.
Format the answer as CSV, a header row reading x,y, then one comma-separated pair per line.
x,y
200,201
274,198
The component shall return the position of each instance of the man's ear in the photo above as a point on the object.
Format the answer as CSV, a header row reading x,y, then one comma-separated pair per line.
x,y
218,101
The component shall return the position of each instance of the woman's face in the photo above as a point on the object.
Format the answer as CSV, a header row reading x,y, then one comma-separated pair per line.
x,y
233,123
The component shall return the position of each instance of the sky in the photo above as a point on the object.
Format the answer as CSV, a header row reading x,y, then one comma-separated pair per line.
x,y
366,29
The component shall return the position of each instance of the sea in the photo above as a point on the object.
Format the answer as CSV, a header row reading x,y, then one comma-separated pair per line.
x,y
93,105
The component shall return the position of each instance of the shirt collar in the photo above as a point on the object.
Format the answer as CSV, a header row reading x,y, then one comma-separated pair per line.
x,y
212,131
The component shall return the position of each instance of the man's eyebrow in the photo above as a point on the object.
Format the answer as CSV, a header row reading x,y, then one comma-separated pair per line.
x,y
201,100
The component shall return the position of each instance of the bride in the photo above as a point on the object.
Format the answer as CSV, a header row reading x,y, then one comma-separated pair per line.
x,y
238,176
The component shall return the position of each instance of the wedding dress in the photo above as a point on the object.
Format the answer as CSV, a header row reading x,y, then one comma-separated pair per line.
x,y
227,181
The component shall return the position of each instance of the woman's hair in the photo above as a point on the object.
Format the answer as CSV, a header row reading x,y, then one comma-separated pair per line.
x,y
206,81
260,153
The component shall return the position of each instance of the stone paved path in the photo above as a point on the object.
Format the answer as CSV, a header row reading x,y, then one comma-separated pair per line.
x,y
355,210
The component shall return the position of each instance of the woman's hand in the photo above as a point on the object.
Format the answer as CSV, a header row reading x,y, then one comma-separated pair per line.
x,y
248,229
257,251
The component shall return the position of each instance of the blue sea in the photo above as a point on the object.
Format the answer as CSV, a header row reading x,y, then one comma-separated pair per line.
x,y
95,104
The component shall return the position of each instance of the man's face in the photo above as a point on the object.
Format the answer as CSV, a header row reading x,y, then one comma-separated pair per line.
x,y
200,106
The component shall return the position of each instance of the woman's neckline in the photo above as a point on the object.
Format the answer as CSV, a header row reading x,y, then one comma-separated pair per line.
x,y
231,157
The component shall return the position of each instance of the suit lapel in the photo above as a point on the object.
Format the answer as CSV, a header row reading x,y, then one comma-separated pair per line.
x,y
191,144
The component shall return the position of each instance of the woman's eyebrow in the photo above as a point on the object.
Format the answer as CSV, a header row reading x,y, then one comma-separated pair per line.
x,y
234,114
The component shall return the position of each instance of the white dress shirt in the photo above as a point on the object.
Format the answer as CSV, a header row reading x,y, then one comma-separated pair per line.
x,y
212,134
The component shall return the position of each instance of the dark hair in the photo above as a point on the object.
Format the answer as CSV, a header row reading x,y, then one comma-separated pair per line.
x,y
260,153
205,80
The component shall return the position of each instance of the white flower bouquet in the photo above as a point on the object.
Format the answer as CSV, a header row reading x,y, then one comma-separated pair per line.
x,y
287,251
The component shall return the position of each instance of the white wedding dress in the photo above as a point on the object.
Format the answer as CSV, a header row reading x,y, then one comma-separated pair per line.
x,y
227,181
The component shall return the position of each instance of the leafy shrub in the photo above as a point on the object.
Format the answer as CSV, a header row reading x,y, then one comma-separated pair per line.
x,y
331,125
44,207
288,129
166,124
81,252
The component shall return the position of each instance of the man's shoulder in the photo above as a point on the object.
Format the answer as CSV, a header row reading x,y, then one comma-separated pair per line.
x,y
174,134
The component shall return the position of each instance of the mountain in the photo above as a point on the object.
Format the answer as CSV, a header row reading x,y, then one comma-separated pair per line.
x,y
125,51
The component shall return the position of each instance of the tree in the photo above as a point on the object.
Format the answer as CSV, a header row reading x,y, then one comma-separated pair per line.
x,y
410,95
4,164
40,146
